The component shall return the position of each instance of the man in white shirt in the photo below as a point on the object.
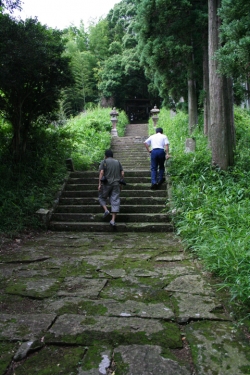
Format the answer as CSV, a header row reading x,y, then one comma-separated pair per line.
x,y
159,151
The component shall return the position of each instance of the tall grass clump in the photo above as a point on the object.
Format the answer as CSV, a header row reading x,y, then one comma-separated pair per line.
x,y
33,183
211,207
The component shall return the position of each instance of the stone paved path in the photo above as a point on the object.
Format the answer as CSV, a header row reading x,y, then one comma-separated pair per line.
x,y
75,303
113,303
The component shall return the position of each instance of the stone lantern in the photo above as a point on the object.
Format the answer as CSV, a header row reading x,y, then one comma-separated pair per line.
x,y
114,119
155,117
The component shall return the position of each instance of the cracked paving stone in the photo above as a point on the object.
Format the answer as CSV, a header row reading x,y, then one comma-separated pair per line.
x,y
192,284
22,257
96,260
40,288
24,327
114,308
72,328
80,286
218,348
115,273
147,360
193,306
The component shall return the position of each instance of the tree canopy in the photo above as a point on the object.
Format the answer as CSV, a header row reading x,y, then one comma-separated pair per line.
x,y
170,44
10,5
32,74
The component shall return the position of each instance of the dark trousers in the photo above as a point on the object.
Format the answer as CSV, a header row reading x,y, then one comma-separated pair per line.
x,y
157,161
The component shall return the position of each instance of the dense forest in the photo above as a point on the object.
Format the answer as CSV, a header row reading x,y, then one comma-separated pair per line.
x,y
57,88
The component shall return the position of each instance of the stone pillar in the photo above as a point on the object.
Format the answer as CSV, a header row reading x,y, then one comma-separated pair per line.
x,y
155,111
114,119
43,216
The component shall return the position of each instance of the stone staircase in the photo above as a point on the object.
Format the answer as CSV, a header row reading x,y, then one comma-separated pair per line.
x,y
142,209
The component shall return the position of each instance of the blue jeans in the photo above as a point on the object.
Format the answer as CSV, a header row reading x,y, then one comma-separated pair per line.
x,y
157,160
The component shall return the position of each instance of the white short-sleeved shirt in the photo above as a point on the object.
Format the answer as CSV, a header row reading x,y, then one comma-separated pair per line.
x,y
157,140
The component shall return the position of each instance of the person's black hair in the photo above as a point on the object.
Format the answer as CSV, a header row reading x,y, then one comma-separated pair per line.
x,y
159,130
109,153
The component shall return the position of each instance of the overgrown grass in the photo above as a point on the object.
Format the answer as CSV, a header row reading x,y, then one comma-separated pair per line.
x,y
212,206
33,184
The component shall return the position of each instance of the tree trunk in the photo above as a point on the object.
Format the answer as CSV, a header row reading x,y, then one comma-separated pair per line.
x,y
206,104
19,139
220,94
192,104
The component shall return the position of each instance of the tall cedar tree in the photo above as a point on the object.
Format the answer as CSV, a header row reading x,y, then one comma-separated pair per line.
x,y
221,99
170,36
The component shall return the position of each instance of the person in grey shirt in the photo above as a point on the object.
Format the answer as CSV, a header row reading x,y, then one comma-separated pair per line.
x,y
110,174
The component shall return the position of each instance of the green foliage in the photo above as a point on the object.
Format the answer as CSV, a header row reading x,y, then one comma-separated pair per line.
x,y
87,51
10,5
234,55
32,74
84,90
211,206
120,75
170,41
90,136
235,34
111,76
33,183
99,39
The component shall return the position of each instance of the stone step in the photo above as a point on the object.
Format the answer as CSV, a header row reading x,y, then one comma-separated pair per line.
x,y
133,189
95,179
129,173
98,217
106,227
132,147
142,209
124,200
137,166
127,156
125,193
96,208
142,158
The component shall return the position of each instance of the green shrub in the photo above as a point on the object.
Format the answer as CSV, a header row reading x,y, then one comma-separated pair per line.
x,y
210,206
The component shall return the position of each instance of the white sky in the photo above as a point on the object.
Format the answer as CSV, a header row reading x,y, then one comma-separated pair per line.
x,y
61,13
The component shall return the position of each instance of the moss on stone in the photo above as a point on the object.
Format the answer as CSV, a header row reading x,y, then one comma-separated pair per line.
x,y
121,368
19,287
169,336
7,351
52,361
93,356
81,269
85,307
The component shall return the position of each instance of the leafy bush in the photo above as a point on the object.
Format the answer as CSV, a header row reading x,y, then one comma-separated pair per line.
x,y
212,206
30,185
89,134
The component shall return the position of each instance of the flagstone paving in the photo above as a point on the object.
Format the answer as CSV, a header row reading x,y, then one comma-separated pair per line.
x,y
113,303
